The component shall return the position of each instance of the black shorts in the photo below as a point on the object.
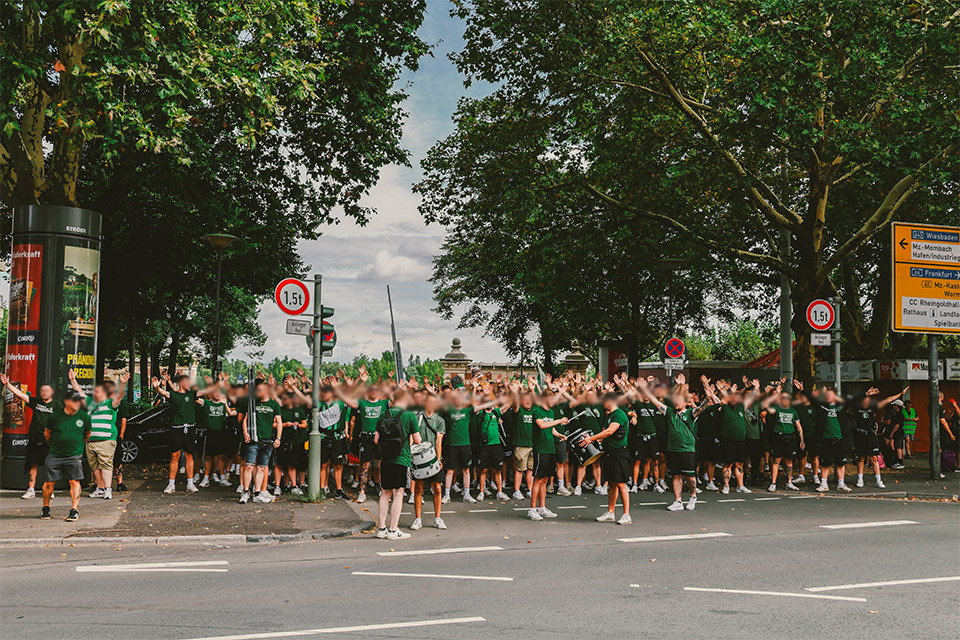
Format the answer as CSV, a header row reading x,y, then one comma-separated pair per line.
x,y
118,454
733,451
785,445
334,449
832,451
662,441
185,438
616,465
456,457
392,476
69,468
367,449
645,447
682,463
544,465
561,451
868,444
710,450
37,450
218,442
491,456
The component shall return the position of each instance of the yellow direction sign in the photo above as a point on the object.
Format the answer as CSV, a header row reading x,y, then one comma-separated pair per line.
x,y
926,278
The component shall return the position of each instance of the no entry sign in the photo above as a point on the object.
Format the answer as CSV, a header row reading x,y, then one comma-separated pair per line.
x,y
674,348
292,296
820,315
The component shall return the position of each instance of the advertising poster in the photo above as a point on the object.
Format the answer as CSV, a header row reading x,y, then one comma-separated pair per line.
x,y
23,341
616,362
78,331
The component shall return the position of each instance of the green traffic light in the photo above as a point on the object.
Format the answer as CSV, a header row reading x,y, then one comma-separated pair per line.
x,y
326,312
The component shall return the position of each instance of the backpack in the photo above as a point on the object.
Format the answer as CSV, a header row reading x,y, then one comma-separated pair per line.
x,y
390,436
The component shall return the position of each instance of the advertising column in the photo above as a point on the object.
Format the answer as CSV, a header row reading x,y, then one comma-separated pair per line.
x,y
54,276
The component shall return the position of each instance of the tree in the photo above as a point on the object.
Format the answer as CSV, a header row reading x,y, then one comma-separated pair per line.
x,y
817,121
741,340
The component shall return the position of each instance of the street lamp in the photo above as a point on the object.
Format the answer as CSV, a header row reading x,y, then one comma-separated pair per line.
x,y
670,265
219,241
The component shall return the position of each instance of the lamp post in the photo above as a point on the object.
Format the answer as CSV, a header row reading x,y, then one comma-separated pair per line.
x,y
219,241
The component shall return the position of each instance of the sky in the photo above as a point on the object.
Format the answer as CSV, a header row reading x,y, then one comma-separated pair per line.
x,y
396,247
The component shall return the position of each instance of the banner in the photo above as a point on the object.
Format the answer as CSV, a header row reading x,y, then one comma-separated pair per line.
x,y
78,328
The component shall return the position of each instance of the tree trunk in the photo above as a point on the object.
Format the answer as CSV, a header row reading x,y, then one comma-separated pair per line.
x,y
155,350
174,353
144,369
131,364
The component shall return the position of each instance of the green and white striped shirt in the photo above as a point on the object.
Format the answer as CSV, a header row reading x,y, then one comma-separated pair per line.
x,y
103,418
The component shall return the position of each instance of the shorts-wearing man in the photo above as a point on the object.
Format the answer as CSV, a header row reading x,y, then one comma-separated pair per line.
x,y
457,450
42,406
432,429
544,456
268,426
102,443
66,431
394,469
616,458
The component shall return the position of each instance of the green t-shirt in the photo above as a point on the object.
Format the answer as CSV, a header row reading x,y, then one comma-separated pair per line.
x,y
103,421
409,421
783,420
458,427
561,410
831,427
753,423
681,430
67,433
618,440
543,441
216,413
184,406
266,412
369,412
489,426
523,427
431,427
733,423
808,417
590,420
646,418
41,413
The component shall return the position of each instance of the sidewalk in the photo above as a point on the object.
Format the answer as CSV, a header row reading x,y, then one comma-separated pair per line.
x,y
147,515
913,483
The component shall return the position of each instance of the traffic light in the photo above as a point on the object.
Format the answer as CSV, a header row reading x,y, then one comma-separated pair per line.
x,y
328,335
326,312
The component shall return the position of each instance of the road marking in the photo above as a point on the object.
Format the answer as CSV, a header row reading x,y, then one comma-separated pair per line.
x,y
860,525
427,552
521,508
203,566
731,500
802,497
883,584
774,593
431,575
647,504
758,499
366,627
576,506
483,510
689,536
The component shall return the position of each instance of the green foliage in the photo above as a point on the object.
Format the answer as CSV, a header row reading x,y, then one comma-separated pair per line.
x,y
740,340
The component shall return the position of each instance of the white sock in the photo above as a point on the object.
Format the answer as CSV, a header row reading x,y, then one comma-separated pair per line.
x,y
172,483
878,477
860,477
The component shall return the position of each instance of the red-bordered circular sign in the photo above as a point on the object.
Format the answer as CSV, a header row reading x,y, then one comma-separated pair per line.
x,y
292,296
820,315
674,348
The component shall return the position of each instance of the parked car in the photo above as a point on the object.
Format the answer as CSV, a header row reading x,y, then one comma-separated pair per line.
x,y
148,435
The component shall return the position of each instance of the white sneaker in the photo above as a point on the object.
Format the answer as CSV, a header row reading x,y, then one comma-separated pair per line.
x,y
171,487
551,488
361,497
792,486
691,503
192,488
843,487
417,524
800,480
382,533
578,490
880,484
859,483
240,488
625,519
438,523
699,490
743,489
773,488
608,516
726,490
601,490
277,491
410,499
658,489
823,487
662,484
205,482
97,493
224,482
195,478
397,535
546,513
456,488
563,491
445,499
711,486
518,495
469,498
676,506
263,496
29,493
502,496
480,497
634,489
244,497
296,491
645,484
108,493
533,515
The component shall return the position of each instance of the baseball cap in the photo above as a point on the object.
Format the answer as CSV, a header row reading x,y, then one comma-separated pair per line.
x,y
73,394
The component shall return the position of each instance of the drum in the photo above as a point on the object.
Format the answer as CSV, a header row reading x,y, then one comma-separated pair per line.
x,y
425,463
585,455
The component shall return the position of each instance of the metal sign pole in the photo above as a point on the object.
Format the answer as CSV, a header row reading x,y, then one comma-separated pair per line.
x,y
314,461
836,342
934,357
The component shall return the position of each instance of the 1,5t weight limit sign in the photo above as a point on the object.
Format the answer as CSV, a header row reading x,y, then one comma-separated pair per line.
x,y
292,296
820,315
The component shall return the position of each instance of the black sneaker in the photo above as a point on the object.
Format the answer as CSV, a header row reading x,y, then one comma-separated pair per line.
x,y
122,487
340,495
73,516
45,513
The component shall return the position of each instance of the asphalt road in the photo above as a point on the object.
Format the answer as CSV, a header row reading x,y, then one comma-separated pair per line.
x,y
507,576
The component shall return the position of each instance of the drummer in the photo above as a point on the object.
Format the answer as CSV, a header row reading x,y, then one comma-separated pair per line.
x,y
616,458
589,412
432,430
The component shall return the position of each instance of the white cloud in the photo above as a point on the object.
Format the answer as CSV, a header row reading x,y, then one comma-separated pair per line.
x,y
389,267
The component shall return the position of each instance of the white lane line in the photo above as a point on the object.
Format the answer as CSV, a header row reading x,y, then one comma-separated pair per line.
x,y
366,627
428,552
202,566
860,525
576,506
802,497
689,536
883,584
731,500
521,508
483,510
431,575
647,504
758,499
774,593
